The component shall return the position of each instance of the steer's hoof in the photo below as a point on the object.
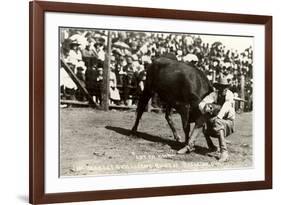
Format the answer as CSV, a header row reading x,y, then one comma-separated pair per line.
x,y
186,149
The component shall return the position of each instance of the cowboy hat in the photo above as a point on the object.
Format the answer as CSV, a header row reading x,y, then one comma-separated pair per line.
x,y
223,82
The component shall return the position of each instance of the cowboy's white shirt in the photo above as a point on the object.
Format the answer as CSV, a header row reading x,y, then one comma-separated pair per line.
x,y
227,110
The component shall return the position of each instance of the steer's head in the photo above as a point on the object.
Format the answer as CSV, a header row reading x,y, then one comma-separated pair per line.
x,y
212,109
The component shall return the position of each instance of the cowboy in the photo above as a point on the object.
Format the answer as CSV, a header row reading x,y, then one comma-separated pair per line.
x,y
222,124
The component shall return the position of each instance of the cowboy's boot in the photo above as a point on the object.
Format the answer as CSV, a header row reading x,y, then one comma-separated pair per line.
x,y
211,146
223,148
224,157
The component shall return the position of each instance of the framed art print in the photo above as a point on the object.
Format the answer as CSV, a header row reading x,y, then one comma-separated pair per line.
x,y
139,102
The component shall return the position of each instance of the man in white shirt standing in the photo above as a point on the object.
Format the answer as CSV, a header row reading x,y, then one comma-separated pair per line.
x,y
221,124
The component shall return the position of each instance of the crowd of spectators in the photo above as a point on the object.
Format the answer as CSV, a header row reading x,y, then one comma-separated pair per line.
x,y
85,53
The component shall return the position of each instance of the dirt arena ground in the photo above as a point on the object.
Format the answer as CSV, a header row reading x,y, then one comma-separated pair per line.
x,y
95,142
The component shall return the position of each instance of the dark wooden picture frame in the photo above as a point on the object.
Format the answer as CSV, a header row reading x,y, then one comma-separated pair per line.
x,y
37,10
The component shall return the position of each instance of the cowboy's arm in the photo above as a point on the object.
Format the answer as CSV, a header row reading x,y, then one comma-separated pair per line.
x,y
211,98
227,106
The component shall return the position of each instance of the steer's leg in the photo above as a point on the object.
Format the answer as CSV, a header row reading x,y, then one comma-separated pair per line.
x,y
197,130
146,95
183,110
171,123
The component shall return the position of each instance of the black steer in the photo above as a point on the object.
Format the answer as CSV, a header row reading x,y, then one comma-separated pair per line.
x,y
179,86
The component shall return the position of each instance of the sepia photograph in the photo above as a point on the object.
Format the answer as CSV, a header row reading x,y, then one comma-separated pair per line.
x,y
134,102
129,102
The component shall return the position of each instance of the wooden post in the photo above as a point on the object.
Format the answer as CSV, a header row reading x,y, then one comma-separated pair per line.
x,y
106,71
242,92
77,82
183,45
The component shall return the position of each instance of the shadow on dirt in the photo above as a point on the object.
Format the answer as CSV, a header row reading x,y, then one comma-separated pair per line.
x,y
173,144
202,150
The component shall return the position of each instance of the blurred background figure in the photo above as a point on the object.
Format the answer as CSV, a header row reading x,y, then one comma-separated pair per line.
x,y
98,87
113,91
